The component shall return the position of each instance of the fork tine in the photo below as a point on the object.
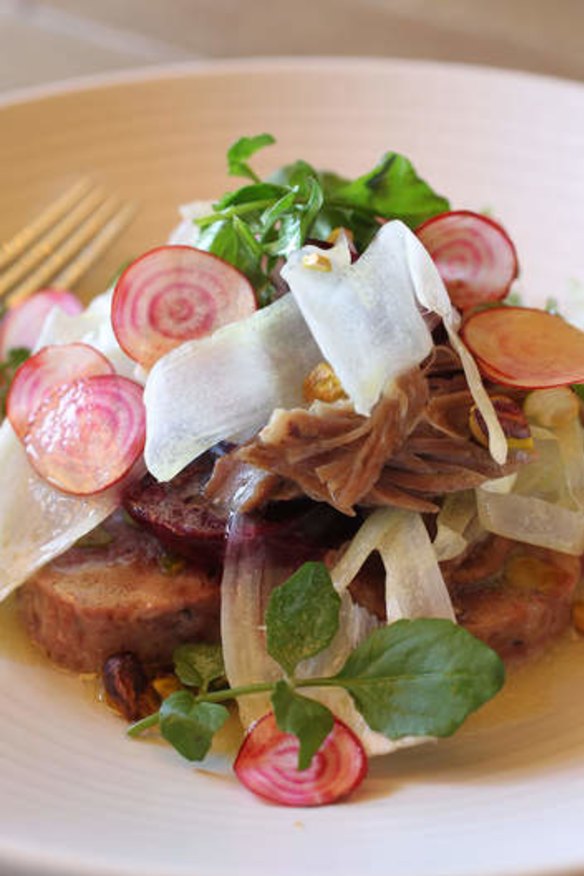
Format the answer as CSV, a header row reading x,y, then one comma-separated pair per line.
x,y
50,241
60,259
98,245
55,211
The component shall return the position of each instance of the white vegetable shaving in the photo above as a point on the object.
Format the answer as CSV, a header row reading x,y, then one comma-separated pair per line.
x,y
38,522
431,293
363,316
226,385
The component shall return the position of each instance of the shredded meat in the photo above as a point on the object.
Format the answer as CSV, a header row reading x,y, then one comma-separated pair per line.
x,y
333,454
415,447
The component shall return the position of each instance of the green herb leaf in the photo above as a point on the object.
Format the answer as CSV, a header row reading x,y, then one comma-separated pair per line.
x,y
247,195
392,190
307,719
198,665
243,149
420,677
14,359
225,240
190,726
302,616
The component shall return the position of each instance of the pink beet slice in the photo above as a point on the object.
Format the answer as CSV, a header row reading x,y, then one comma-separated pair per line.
x,y
22,325
525,347
43,372
86,435
474,255
174,294
267,764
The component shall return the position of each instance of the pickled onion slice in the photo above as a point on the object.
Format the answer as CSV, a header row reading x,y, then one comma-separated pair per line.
x,y
267,764
173,294
87,434
525,347
22,326
43,372
474,255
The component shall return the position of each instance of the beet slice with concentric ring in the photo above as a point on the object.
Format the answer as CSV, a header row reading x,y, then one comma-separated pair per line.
x,y
86,435
267,764
525,347
474,255
173,294
22,325
43,372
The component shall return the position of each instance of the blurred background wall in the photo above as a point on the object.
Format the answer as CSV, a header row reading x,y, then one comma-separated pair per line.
x,y
44,40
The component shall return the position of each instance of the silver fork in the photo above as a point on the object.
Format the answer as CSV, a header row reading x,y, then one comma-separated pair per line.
x,y
61,243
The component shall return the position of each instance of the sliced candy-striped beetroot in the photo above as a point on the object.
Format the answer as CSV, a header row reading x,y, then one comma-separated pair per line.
x,y
267,764
524,347
43,372
475,256
22,325
174,294
87,434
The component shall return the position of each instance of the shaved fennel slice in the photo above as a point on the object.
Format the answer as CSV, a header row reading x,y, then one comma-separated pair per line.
x,y
532,520
92,326
37,522
363,316
457,512
414,586
226,385
431,293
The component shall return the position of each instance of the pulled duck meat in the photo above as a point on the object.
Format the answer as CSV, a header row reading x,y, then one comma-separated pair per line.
x,y
333,454
416,446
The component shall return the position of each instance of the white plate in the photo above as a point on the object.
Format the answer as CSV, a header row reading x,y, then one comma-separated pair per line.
x,y
505,795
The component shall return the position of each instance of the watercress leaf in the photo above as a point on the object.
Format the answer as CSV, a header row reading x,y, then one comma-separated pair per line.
x,y
290,235
225,240
271,215
314,201
307,719
293,174
579,390
243,149
199,664
190,726
302,616
393,190
420,677
249,195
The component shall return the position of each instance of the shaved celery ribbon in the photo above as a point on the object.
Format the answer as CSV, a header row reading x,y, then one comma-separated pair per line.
x,y
414,588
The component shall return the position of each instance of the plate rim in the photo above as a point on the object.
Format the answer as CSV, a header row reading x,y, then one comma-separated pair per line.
x,y
257,64
21,859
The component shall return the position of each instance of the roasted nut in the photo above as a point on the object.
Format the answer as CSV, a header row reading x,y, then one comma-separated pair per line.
x,y
530,574
513,422
322,384
164,685
317,262
336,232
127,687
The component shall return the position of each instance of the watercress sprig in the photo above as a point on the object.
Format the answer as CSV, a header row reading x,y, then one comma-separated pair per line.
x,y
264,221
411,678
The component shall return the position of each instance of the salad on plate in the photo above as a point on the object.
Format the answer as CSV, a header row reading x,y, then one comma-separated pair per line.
x,y
310,461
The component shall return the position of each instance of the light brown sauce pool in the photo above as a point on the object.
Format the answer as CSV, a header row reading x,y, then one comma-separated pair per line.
x,y
536,693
